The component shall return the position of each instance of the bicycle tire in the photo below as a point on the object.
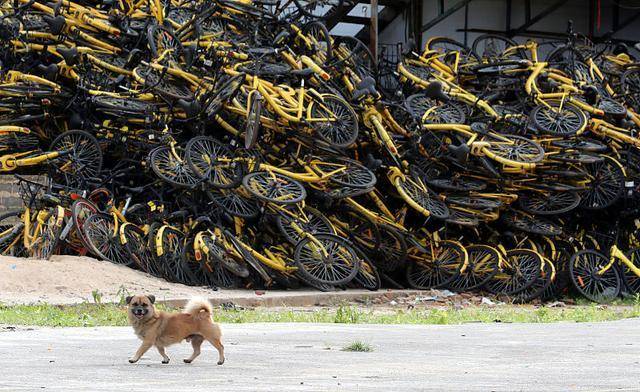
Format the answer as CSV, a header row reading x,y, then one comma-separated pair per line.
x,y
324,268
584,267
439,271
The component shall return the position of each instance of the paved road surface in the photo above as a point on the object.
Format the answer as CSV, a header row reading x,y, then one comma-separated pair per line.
x,y
308,357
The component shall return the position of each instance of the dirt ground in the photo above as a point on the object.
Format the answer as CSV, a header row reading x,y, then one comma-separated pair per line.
x,y
72,279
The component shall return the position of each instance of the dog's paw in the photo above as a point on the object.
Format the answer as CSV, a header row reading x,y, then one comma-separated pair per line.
x,y
165,361
133,360
187,360
220,362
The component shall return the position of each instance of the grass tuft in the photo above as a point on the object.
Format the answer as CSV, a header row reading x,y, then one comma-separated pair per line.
x,y
358,346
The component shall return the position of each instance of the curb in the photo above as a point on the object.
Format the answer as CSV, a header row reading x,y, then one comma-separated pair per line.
x,y
301,298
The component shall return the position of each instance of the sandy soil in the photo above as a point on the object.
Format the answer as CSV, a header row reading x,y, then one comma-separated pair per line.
x,y
71,279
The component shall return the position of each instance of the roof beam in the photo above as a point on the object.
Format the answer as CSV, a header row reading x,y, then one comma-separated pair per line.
x,y
444,15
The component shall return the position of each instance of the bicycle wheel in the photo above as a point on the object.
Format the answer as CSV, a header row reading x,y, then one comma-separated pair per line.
x,y
492,47
161,41
170,165
274,187
418,196
512,150
391,251
428,269
224,92
218,254
630,85
605,186
560,119
136,247
83,158
81,209
102,241
531,224
209,159
537,288
520,270
482,267
11,231
252,127
320,40
172,243
326,258
356,55
455,52
585,269
352,173
548,202
334,121
431,111
631,280
44,246
234,204
367,276
309,221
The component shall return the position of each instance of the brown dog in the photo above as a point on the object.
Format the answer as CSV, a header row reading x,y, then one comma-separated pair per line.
x,y
162,329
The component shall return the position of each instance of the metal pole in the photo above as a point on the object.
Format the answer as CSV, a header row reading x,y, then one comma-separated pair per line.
x,y
373,41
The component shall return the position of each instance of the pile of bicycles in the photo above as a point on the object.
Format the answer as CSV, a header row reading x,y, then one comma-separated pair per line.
x,y
238,144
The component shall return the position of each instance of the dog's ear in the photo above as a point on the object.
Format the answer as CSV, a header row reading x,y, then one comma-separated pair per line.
x,y
128,299
152,298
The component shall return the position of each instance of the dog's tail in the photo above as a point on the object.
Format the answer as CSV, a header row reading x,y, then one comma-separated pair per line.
x,y
199,308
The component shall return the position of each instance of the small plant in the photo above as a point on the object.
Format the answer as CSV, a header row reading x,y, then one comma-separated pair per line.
x,y
347,315
358,346
122,294
97,297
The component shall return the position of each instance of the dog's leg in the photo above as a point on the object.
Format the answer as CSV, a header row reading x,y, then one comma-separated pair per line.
x,y
217,343
196,342
146,345
165,358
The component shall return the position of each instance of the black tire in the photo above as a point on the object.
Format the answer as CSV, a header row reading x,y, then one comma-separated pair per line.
x,y
83,160
323,40
482,267
631,280
137,249
548,202
584,267
339,266
313,222
606,185
101,240
252,127
343,131
493,47
11,228
203,154
521,269
44,246
367,276
566,122
274,188
173,169
224,92
439,270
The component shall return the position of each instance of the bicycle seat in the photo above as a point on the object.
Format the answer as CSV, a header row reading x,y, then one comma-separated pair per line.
x,y
434,90
460,153
637,46
366,87
49,71
70,55
192,108
56,24
203,219
372,163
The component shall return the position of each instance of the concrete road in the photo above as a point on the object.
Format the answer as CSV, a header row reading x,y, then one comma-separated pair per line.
x,y
308,357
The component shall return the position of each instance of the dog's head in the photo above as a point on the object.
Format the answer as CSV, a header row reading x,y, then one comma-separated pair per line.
x,y
141,306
